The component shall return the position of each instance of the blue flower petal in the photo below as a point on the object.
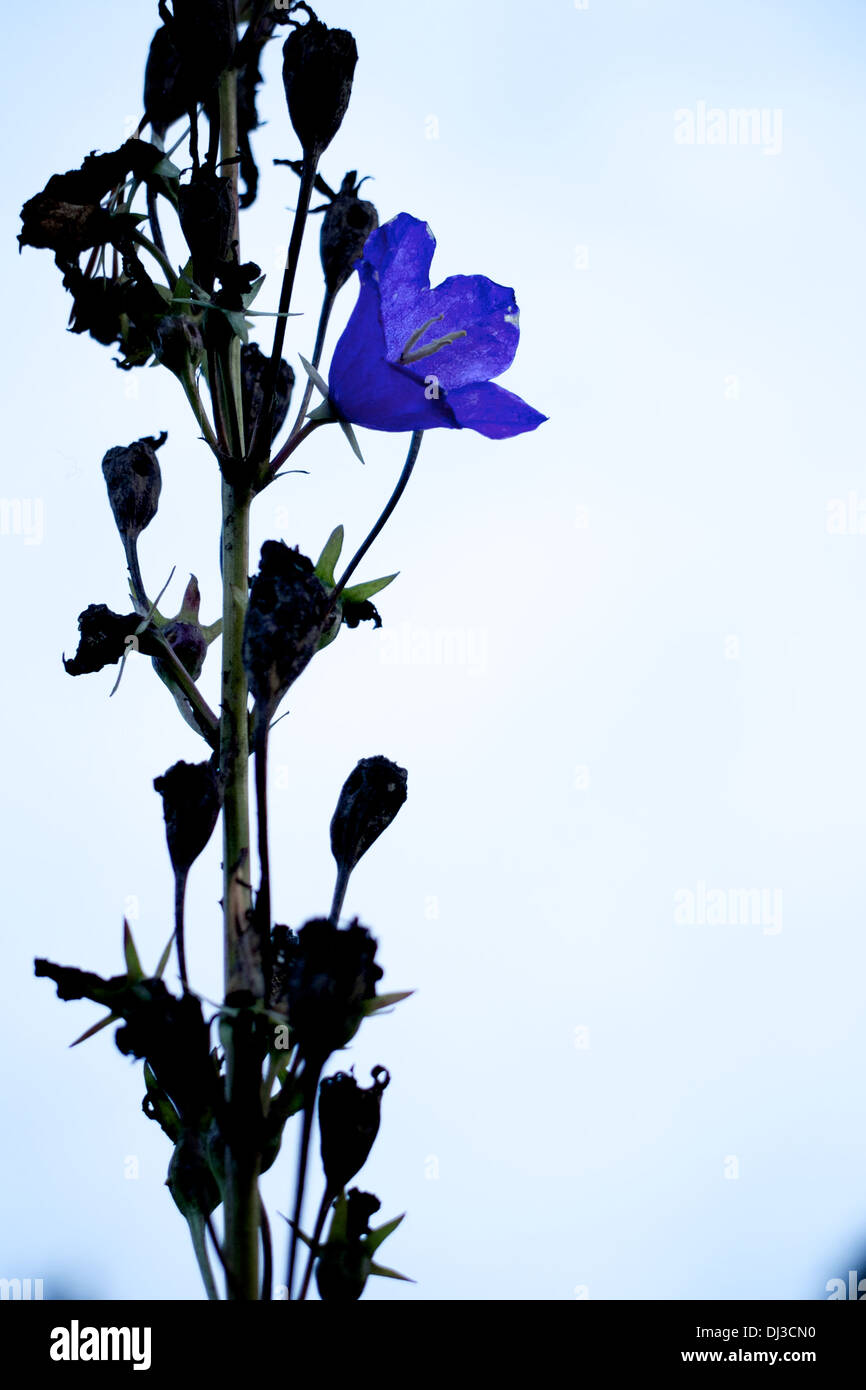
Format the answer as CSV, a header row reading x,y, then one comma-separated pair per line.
x,y
367,390
398,255
471,304
493,411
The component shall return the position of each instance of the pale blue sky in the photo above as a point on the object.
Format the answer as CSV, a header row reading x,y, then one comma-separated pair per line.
x,y
661,692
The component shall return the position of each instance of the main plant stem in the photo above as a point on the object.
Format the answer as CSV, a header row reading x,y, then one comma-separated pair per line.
x,y
242,980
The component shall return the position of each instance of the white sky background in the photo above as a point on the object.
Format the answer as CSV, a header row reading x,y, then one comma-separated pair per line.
x,y
664,688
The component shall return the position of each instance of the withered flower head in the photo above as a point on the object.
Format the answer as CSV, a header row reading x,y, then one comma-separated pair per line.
x,y
206,212
104,638
287,611
191,804
166,96
344,1265
348,222
348,1124
66,217
318,67
331,974
253,368
134,482
177,343
204,34
371,797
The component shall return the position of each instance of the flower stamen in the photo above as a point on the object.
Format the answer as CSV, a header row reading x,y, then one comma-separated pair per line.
x,y
412,354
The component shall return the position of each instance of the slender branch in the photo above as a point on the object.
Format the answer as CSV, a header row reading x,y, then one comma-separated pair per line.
x,y
267,1258
205,718
180,877
311,1085
167,267
260,443
343,875
263,898
383,519
324,316
191,391
199,1245
327,1199
291,445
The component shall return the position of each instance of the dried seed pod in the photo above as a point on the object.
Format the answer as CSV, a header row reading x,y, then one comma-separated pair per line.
x,y
348,222
253,368
330,975
204,34
318,67
167,97
286,614
206,212
370,799
132,476
344,1265
348,1124
177,343
191,804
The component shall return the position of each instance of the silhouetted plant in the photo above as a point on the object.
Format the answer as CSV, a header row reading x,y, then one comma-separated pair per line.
x,y
292,998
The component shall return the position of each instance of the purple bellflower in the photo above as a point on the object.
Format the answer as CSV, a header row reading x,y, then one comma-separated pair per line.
x,y
416,358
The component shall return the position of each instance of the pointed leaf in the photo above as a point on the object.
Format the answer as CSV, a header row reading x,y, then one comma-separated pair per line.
x,y
316,378
385,1001
253,290
330,555
389,1273
358,593
306,1239
97,1028
133,964
381,1233
350,435
163,960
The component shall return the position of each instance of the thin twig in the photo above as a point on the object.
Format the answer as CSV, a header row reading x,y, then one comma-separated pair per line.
x,y
260,443
383,519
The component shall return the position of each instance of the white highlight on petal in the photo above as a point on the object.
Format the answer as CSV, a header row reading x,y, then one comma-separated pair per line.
x,y
513,318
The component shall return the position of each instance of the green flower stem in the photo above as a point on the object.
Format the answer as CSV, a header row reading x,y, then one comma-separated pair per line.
x,y
167,267
190,388
243,1071
263,899
206,720
197,1229
402,481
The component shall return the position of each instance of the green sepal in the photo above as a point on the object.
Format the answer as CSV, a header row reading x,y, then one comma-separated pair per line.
x,y
250,296
327,561
359,593
389,1273
374,1239
133,964
97,1028
384,1001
